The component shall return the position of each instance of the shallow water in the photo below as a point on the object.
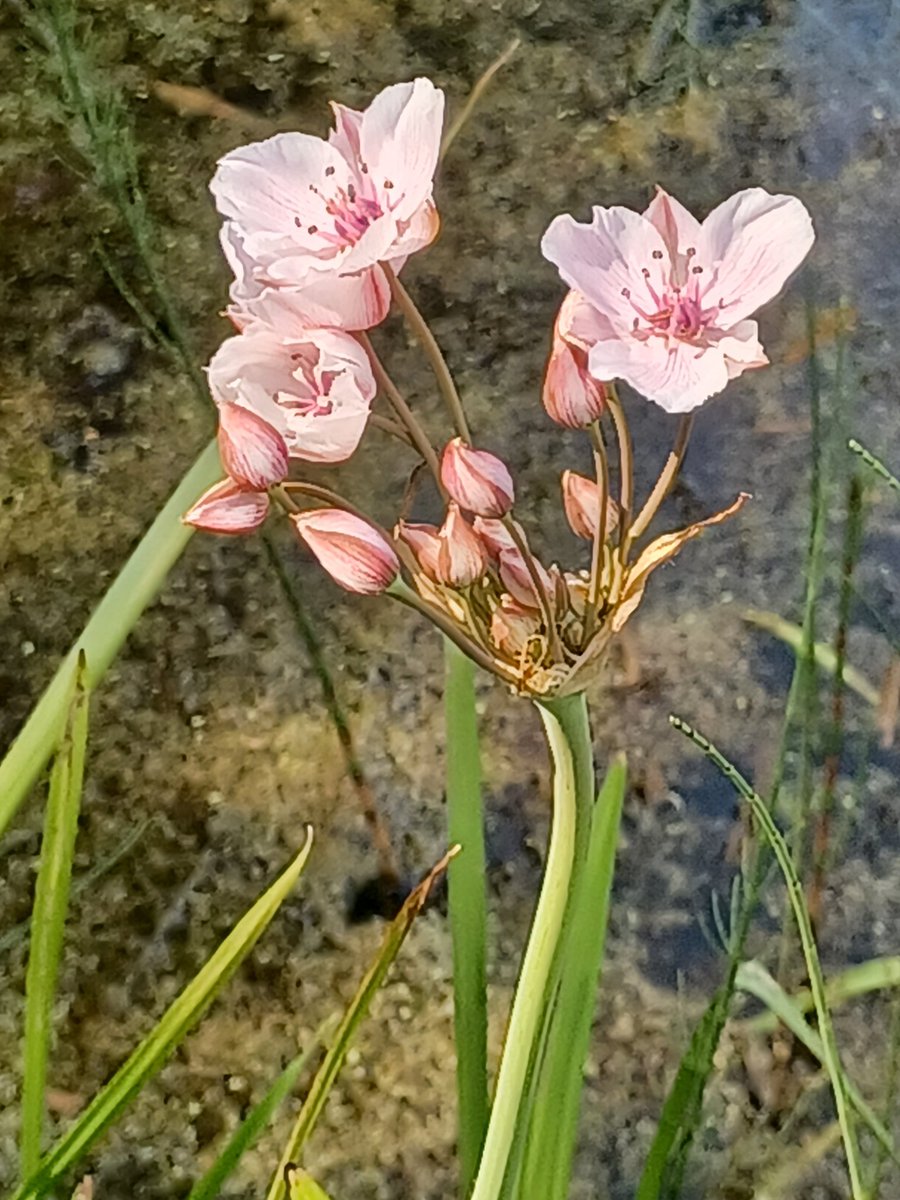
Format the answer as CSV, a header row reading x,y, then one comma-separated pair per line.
x,y
212,724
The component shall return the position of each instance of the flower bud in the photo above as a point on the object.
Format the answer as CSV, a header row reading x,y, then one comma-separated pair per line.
x,y
495,536
581,499
253,453
462,558
516,578
571,395
478,481
425,544
228,508
352,551
512,625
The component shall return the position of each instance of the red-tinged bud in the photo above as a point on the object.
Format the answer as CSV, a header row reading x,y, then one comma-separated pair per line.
x,y
581,499
571,395
425,544
462,558
253,453
352,551
516,578
478,481
495,536
227,508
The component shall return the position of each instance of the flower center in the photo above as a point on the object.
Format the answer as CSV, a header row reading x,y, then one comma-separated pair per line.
x,y
674,307
346,215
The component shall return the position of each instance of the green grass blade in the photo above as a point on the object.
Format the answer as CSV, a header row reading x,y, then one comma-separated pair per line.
x,y
826,659
752,977
350,1021
555,1118
875,464
858,980
246,1134
149,1056
301,1185
466,878
133,589
51,902
831,1056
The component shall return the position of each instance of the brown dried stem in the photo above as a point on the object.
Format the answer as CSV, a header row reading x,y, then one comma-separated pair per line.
x,y
667,477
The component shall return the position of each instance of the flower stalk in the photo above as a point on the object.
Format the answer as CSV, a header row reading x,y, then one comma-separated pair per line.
x,y
566,728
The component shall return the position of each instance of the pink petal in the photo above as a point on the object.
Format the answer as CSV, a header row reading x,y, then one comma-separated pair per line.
x,y
349,302
677,378
227,508
755,241
400,140
680,230
516,578
419,232
351,550
265,188
477,480
345,135
742,349
462,558
605,260
580,323
253,454
425,544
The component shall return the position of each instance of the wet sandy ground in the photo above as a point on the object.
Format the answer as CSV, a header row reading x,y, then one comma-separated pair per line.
x,y
211,725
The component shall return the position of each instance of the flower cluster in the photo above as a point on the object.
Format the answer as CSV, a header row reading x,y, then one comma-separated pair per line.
x,y
316,233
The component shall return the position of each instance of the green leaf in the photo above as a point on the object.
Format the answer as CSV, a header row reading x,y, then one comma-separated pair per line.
x,y
830,1055
467,878
558,1094
115,616
349,1023
874,463
858,980
51,902
181,1015
753,977
246,1134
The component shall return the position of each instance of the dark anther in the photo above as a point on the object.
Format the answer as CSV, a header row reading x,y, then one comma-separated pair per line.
x,y
351,193
329,170
313,229
697,270
657,253
298,222
626,292
388,184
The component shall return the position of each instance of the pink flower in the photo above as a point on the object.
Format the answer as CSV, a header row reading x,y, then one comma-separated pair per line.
x,y
253,453
351,550
478,481
425,543
306,213
462,558
227,507
673,296
516,578
312,387
571,395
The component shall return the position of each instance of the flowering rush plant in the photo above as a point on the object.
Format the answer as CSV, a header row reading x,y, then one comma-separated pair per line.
x,y
317,233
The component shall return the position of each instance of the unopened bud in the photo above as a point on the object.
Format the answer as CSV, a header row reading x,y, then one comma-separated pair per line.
x,y
581,500
478,481
352,551
517,579
253,453
462,558
425,544
228,508
571,395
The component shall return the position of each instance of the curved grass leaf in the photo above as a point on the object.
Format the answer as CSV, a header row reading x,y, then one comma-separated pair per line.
x,y
752,977
181,1015
350,1022
51,902
302,1186
831,1057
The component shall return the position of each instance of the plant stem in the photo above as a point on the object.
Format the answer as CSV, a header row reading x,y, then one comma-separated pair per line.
x,y
601,468
564,723
626,467
478,90
667,477
404,593
468,909
406,415
433,352
133,589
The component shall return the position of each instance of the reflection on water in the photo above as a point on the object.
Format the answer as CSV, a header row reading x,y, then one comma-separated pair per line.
x,y
213,721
